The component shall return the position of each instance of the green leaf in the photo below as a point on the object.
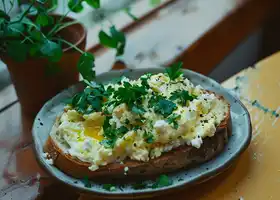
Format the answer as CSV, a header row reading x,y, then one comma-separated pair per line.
x,y
86,65
174,71
182,96
2,21
51,50
121,131
117,35
120,38
138,110
86,182
149,137
144,82
75,5
109,187
165,107
139,186
107,40
42,19
162,181
108,143
17,51
15,30
4,15
37,35
117,40
130,94
34,50
172,119
93,3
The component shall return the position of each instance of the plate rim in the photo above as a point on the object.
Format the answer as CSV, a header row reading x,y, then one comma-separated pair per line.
x,y
150,192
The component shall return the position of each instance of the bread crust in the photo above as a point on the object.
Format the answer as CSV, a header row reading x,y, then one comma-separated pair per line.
x,y
182,157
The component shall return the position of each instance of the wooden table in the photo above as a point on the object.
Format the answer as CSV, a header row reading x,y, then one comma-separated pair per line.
x,y
256,175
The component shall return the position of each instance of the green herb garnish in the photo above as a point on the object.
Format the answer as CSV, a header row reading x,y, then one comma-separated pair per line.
x,y
172,119
149,137
89,100
182,96
162,181
139,186
130,94
174,71
109,187
165,107
138,110
144,80
111,134
86,182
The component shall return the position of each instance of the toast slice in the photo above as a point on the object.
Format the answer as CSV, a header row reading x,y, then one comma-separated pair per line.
x,y
182,157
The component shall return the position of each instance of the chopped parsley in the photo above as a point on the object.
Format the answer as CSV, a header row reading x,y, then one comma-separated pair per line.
x,y
109,187
165,107
172,119
130,94
182,96
86,182
144,82
127,121
138,109
174,71
154,100
139,186
162,181
112,134
149,137
90,100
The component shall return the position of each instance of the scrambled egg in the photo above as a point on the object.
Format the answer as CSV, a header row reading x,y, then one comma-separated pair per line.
x,y
146,135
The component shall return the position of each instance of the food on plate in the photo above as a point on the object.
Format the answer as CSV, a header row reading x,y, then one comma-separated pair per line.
x,y
156,124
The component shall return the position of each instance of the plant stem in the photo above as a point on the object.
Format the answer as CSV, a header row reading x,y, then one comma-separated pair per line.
x,y
24,14
4,6
65,25
69,43
129,13
12,3
60,20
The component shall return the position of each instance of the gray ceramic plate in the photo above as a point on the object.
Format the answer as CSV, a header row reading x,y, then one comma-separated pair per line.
x,y
241,136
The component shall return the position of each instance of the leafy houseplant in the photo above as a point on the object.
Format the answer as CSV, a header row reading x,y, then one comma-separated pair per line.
x,y
45,53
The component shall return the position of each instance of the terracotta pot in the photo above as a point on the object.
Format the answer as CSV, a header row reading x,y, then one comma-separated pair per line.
x,y
33,86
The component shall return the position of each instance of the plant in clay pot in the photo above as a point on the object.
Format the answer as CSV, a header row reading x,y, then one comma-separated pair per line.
x,y
45,53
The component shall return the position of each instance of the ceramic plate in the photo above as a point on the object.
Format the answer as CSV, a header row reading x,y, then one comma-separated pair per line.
x,y
238,142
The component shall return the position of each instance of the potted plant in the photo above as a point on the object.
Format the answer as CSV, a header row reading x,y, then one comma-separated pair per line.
x,y
45,53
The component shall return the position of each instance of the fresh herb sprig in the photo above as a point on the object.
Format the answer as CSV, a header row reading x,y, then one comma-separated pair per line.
x,y
91,99
162,181
149,137
164,107
174,71
172,119
182,96
132,96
